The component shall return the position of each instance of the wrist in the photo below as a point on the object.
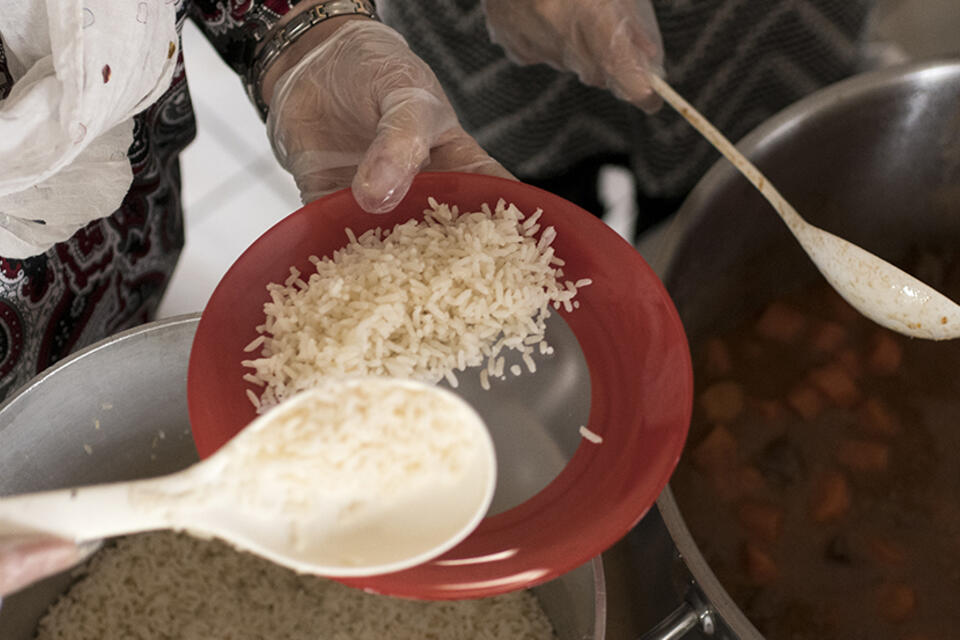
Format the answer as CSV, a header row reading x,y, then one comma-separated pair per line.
x,y
300,31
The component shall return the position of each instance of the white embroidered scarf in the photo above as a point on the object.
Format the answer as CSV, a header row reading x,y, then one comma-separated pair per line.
x,y
82,69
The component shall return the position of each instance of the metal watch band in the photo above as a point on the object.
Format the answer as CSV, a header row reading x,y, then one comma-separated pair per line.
x,y
286,35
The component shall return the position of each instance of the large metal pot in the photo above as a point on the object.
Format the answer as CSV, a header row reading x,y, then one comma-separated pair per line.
x,y
876,160
118,411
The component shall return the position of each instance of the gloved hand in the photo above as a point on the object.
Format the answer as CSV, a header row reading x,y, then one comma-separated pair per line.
x,y
362,110
612,44
27,559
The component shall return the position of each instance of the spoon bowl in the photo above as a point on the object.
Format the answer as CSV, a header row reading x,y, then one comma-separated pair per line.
x,y
880,291
311,496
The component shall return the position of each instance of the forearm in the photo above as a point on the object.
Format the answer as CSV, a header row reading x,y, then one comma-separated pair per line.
x,y
301,30
241,35
303,45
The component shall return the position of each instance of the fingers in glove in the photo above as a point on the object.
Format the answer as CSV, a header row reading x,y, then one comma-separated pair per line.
x,y
410,125
613,44
25,560
462,153
625,50
315,183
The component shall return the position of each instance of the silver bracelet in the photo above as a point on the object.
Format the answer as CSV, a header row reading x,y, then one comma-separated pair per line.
x,y
289,33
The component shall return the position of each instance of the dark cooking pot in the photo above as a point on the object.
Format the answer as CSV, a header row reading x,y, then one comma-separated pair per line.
x,y
874,159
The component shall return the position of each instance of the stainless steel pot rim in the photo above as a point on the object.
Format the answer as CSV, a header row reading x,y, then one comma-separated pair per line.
x,y
594,629
716,594
105,343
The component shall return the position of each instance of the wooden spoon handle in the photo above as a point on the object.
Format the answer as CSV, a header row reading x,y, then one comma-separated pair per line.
x,y
796,223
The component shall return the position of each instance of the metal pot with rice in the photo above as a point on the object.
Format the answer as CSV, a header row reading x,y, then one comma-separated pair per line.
x,y
118,411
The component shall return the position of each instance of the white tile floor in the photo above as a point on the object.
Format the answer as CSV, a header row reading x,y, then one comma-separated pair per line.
x,y
233,189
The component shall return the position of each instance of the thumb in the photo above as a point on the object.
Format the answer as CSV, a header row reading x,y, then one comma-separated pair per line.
x,y
631,58
412,121
24,560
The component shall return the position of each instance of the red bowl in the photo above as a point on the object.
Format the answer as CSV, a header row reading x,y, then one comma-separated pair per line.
x,y
628,329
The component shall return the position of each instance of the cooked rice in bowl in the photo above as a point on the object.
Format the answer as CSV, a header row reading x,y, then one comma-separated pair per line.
x,y
422,300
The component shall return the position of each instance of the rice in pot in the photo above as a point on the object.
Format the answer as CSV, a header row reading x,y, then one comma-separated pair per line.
x,y
168,586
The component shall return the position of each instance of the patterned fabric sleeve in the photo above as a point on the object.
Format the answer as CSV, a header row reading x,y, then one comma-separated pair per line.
x,y
6,80
235,27
111,275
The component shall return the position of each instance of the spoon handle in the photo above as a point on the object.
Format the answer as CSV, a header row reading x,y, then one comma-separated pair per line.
x,y
89,513
793,219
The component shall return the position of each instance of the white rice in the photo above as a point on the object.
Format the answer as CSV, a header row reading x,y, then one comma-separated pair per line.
x,y
360,443
593,437
419,301
166,586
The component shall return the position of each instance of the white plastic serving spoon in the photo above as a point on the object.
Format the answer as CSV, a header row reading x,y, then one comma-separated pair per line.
x,y
358,477
877,289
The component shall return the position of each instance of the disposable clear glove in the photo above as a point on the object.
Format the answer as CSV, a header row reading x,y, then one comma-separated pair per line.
x,y
362,110
612,44
28,559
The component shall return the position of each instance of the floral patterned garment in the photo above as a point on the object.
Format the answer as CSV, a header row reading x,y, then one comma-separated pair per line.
x,y
111,274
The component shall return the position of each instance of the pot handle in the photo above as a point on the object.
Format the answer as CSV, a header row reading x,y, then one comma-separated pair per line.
x,y
688,616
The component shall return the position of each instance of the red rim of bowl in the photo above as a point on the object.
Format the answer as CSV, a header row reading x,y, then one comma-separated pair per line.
x,y
632,339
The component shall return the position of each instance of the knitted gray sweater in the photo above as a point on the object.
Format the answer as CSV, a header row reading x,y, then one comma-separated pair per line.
x,y
738,61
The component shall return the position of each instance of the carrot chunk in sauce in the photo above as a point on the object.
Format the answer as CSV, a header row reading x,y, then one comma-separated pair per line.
x,y
770,410
722,401
716,453
828,337
885,552
761,520
885,354
864,455
896,601
735,484
830,499
718,362
759,565
876,418
835,383
750,481
806,401
849,359
781,323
